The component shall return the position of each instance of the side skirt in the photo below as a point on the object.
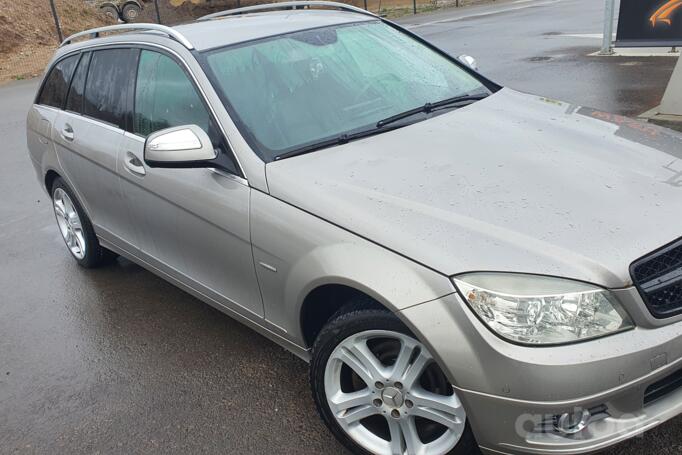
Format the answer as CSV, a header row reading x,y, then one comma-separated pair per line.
x,y
295,349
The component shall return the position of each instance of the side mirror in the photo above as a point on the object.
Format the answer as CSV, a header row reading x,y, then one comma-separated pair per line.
x,y
469,61
180,146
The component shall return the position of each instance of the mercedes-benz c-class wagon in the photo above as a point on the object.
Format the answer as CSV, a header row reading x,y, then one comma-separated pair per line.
x,y
465,267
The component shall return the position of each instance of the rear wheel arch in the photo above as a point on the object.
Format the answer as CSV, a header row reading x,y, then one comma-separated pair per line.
x,y
50,177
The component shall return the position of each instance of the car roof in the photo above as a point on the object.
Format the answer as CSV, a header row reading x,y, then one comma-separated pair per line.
x,y
236,29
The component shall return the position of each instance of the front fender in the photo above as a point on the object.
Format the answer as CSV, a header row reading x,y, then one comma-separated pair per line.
x,y
296,252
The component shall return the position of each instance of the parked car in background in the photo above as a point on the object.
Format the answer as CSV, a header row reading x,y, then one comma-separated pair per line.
x,y
463,265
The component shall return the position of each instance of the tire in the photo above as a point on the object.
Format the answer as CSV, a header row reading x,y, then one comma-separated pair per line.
x,y
131,12
76,228
110,12
394,405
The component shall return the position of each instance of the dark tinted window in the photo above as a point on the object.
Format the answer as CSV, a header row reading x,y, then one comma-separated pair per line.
x,y
106,91
165,97
74,102
57,83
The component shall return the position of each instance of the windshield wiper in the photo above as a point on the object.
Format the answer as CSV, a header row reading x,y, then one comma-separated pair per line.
x,y
336,140
380,127
430,107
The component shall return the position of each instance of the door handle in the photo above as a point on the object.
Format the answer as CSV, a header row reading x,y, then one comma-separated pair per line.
x,y
67,132
134,164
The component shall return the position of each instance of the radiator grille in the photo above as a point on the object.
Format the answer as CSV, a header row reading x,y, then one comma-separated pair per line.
x,y
658,277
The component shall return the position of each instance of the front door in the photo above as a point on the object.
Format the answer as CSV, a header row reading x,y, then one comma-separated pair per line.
x,y
193,223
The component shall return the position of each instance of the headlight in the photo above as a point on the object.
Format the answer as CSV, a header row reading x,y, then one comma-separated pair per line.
x,y
538,310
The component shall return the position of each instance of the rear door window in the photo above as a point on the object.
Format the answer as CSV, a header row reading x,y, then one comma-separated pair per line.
x,y
110,77
57,83
74,101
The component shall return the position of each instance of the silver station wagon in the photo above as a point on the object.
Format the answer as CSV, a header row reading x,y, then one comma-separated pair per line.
x,y
465,267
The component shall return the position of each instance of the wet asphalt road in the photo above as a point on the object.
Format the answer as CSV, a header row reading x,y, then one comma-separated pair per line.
x,y
544,47
118,361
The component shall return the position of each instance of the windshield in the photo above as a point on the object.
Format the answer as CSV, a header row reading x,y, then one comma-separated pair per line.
x,y
296,90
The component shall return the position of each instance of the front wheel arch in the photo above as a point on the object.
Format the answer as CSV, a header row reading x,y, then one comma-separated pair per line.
x,y
323,302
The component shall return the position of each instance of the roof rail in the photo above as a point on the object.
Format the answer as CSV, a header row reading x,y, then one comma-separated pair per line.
x,y
94,33
286,5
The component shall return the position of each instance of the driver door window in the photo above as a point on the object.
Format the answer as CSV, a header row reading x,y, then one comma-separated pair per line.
x,y
165,97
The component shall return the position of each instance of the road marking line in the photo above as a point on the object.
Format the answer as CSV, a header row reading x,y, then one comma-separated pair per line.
x,y
526,4
583,35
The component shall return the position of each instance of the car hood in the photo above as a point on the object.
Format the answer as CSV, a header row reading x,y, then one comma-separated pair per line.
x,y
515,182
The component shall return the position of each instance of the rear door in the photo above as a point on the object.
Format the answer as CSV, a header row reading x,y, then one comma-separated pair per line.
x,y
88,135
45,111
191,223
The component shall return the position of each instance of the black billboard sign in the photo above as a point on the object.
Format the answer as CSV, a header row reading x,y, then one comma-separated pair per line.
x,y
650,23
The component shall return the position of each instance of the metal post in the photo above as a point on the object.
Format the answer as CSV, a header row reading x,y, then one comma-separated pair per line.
x,y
609,12
365,5
56,21
239,3
158,14
414,6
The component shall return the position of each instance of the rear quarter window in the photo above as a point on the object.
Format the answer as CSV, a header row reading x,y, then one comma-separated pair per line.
x,y
57,83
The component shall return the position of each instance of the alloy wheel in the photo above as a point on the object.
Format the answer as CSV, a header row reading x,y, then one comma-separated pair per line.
x,y
69,223
387,393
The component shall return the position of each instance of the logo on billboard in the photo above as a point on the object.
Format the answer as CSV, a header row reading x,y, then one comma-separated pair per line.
x,y
663,15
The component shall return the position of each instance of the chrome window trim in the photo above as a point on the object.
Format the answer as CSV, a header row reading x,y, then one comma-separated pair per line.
x,y
134,136
98,122
49,108
202,93
229,175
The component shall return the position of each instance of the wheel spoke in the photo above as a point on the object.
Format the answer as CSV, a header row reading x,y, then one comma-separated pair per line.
x,y
345,401
68,207
59,208
80,241
355,415
446,410
416,368
396,442
69,238
75,222
413,443
447,420
402,363
361,360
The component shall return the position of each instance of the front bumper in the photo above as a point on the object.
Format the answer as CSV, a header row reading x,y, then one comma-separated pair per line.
x,y
509,391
